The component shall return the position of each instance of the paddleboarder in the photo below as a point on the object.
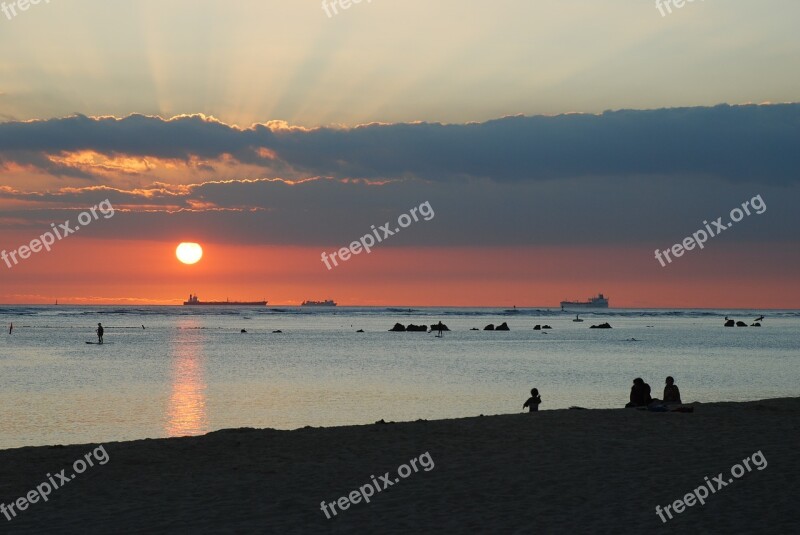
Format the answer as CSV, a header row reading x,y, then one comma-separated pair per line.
x,y
100,332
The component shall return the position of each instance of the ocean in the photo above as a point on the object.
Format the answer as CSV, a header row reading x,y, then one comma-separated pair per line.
x,y
190,370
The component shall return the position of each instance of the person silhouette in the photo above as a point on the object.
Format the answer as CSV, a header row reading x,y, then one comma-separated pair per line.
x,y
100,332
640,394
671,392
440,327
533,401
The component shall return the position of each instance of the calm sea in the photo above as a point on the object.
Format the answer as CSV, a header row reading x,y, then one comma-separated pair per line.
x,y
191,370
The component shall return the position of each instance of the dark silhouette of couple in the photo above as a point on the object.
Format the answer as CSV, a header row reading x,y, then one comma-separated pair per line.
x,y
640,393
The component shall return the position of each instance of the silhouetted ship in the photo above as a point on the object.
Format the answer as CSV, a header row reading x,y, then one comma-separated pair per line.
x,y
193,300
328,303
593,302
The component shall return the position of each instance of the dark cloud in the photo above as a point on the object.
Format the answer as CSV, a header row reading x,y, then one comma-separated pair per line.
x,y
643,211
135,135
648,178
734,143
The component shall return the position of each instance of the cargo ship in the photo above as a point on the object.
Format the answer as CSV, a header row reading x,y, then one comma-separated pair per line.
x,y
594,302
194,300
328,303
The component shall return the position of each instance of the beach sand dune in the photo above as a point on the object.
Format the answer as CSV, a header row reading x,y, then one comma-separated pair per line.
x,y
566,471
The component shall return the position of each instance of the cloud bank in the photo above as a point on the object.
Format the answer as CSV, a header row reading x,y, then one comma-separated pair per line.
x,y
734,143
619,178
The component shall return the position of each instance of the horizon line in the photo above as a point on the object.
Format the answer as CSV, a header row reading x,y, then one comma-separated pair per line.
x,y
269,305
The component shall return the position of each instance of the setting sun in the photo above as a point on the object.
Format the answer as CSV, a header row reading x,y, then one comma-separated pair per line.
x,y
189,253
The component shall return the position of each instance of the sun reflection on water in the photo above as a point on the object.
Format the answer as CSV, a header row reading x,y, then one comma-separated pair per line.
x,y
186,414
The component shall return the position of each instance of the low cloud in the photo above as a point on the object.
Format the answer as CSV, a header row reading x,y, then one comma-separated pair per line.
x,y
321,211
733,143
619,178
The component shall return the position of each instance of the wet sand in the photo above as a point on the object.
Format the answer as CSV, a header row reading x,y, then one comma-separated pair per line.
x,y
579,471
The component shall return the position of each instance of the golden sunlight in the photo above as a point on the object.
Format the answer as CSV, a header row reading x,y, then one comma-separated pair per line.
x,y
189,253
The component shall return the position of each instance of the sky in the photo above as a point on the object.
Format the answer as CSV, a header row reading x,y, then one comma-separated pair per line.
x,y
554,145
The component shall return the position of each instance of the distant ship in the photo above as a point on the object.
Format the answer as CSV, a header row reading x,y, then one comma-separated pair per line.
x,y
328,303
193,300
594,302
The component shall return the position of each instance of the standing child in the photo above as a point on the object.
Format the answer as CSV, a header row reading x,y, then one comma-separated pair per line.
x,y
533,401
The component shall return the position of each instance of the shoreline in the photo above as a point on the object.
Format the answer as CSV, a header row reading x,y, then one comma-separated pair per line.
x,y
594,470
391,422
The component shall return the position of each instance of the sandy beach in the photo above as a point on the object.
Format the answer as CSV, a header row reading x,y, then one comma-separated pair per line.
x,y
579,471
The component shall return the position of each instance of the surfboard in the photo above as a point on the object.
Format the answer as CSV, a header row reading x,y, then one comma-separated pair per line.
x,y
97,343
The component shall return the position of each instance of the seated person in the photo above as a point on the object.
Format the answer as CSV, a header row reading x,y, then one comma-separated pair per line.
x,y
671,392
533,401
640,394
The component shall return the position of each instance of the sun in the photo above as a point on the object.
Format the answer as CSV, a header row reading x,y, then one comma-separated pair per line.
x,y
189,253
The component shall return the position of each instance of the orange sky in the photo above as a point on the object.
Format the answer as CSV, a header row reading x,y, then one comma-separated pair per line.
x,y
82,271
